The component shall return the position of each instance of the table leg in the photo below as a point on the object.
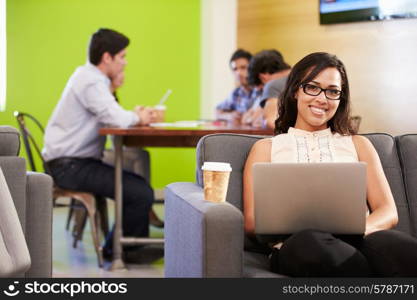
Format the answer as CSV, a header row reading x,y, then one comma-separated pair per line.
x,y
117,262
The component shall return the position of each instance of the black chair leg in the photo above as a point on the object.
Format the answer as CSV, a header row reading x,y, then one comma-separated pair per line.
x,y
70,212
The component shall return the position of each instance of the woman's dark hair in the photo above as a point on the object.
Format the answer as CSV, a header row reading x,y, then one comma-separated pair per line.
x,y
106,40
303,72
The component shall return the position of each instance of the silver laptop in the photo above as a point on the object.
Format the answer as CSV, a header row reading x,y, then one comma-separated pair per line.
x,y
290,197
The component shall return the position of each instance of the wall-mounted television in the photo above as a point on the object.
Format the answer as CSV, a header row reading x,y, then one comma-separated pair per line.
x,y
343,11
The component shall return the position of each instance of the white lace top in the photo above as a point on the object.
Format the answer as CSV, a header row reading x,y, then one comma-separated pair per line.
x,y
312,147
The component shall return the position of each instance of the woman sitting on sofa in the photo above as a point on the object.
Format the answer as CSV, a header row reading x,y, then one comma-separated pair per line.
x,y
316,102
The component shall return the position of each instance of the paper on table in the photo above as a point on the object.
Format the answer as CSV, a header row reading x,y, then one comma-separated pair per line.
x,y
178,124
161,124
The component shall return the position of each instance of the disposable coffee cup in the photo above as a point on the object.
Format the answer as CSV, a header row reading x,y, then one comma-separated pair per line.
x,y
216,180
160,113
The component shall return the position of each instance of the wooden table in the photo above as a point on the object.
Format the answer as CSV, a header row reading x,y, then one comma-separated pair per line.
x,y
177,136
157,137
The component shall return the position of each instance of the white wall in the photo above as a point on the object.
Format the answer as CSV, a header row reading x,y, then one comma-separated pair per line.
x,y
218,42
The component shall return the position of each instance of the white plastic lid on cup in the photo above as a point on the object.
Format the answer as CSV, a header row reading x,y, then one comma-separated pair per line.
x,y
160,107
216,166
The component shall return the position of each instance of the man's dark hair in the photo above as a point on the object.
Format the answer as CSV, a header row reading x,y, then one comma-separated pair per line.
x,y
240,53
266,61
106,40
304,72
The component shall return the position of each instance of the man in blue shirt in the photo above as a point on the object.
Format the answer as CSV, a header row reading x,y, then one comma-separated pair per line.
x,y
242,97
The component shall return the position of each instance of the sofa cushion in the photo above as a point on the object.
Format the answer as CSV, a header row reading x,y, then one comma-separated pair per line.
x,y
14,170
9,141
14,253
257,265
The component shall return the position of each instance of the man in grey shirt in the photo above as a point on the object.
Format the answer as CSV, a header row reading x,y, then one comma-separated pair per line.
x,y
273,89
72,146
269,69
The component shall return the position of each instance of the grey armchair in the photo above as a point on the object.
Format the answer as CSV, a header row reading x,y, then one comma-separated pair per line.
x,y
204,239
32,196
407,152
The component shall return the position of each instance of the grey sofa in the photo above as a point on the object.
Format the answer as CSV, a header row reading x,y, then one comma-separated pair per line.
x,y
204,239
32,196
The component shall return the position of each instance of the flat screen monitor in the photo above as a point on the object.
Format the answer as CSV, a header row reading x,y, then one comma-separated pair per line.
x,y
343,11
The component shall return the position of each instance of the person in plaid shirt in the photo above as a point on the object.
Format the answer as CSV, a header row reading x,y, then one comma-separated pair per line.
x,y
242,98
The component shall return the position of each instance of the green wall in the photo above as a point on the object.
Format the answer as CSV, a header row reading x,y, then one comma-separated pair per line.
x,y
47,40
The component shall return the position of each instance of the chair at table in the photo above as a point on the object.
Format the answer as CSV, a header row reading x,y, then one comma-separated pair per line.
x,y
83,204
356,122
136,160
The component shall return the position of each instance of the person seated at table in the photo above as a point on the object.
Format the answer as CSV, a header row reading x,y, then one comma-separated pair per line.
x,y
241,99
315,108
268,69
73,147
135,159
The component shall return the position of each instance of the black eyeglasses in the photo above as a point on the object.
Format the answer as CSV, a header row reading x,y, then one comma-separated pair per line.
x,y
314,90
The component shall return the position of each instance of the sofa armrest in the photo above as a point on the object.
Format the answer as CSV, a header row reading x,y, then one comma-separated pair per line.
x,y
202,239
39,224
